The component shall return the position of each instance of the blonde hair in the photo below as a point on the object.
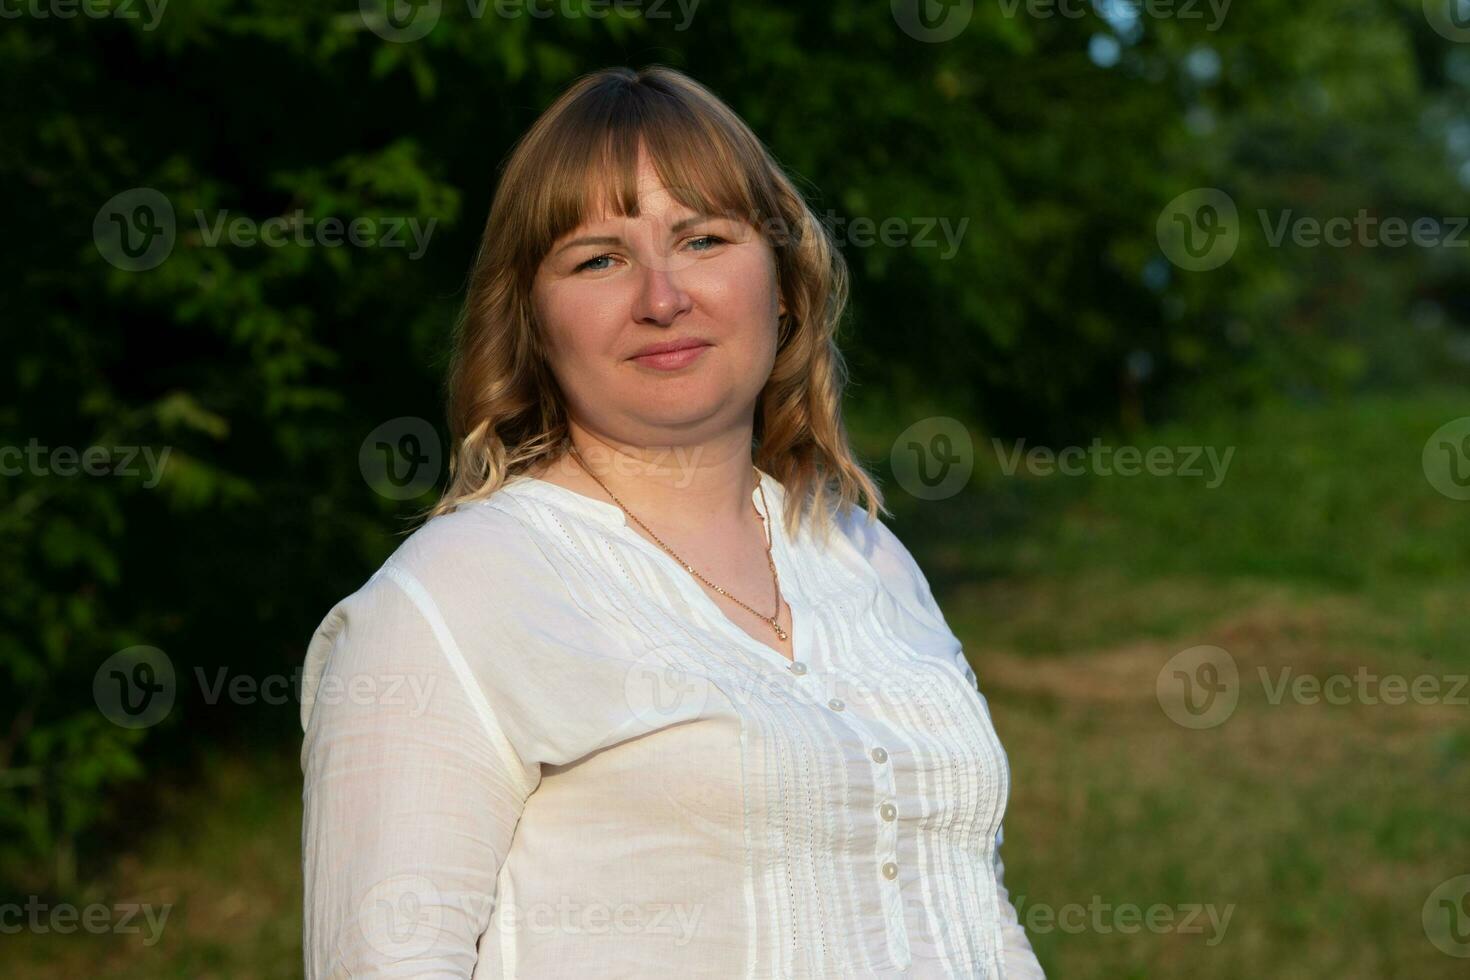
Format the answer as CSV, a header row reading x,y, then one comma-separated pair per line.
x,y
506,412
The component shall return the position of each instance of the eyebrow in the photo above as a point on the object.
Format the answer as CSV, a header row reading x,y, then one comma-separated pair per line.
x,y
677,227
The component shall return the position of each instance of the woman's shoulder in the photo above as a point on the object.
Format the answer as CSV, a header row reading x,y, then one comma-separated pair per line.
x,y
479,538
874,540
459,584
890,560
478,557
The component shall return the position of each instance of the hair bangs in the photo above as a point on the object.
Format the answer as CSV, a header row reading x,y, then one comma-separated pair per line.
x,y
591,158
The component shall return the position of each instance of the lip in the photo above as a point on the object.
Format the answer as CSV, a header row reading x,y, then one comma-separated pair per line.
x,y
670,355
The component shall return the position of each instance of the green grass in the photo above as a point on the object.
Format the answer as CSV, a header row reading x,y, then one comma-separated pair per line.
x,y
1325,827
1324,550
224,857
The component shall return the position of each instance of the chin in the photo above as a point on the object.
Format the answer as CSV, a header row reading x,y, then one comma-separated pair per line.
x,y
681,403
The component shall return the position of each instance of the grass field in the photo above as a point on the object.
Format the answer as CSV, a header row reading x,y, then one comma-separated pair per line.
x,y
1320,829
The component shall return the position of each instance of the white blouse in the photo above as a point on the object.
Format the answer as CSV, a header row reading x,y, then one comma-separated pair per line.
x,y
535,747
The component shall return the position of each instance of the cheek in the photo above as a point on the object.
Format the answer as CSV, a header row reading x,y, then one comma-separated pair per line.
x,y
580,326
744,297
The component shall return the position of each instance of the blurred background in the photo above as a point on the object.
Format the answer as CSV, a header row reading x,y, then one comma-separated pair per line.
x,y
1160,345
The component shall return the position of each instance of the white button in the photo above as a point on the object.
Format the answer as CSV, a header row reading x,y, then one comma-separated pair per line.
x,y
836,704
890,871
888,811
880,754
797,667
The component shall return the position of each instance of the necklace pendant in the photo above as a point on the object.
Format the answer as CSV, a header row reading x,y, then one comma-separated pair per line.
x,y
779,632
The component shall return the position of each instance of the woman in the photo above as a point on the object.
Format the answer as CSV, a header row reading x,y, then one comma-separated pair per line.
x,y
650,694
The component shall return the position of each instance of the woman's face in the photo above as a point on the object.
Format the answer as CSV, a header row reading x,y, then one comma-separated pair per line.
x,y
661,329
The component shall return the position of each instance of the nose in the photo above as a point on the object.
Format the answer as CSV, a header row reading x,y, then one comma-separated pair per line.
x,y
660,299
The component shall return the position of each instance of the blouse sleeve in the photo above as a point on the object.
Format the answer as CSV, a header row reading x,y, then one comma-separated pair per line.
x,y
903,577
411,790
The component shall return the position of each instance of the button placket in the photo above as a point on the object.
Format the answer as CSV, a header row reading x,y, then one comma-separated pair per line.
x,y
885,791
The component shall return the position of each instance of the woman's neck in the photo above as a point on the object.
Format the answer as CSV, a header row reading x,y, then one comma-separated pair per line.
x,y
683,485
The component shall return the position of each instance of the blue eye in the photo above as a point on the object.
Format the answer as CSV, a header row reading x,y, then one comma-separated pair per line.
x,y
588,263
708,242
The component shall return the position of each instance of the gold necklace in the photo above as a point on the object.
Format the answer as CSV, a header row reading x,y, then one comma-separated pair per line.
x,y
771,621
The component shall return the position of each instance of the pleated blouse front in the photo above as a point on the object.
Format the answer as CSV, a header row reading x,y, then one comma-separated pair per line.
x,y
535,747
